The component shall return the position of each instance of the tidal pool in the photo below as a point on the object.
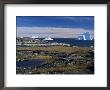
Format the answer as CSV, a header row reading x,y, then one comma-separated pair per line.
x,y
30,63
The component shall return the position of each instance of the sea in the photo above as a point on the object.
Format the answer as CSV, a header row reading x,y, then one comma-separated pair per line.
x,y
73,42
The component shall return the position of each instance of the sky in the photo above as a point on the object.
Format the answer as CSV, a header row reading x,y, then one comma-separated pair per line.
x,y
54,26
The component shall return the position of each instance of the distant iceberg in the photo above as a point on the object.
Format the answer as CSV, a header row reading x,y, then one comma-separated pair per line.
x,y
48,38
85,36
34,37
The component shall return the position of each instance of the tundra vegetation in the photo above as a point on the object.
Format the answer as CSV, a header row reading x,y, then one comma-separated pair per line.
x,y
59,59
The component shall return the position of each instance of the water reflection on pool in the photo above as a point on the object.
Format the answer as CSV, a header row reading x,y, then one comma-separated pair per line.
x,y
30,63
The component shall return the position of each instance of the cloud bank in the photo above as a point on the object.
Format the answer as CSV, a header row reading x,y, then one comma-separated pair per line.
x,y
53,32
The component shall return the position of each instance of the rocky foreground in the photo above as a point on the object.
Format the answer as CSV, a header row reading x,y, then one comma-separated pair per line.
x,y
58,60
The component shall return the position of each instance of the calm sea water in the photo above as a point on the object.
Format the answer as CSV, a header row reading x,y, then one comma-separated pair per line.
x,y
71,41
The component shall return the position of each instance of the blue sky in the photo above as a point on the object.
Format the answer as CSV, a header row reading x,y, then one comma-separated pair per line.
x,y
85,22
54,26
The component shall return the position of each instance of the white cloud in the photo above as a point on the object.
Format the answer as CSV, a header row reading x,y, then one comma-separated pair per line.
x,y
51,31
77,19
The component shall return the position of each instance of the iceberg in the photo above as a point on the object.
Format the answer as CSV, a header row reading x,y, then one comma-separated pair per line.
x,y
48,38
